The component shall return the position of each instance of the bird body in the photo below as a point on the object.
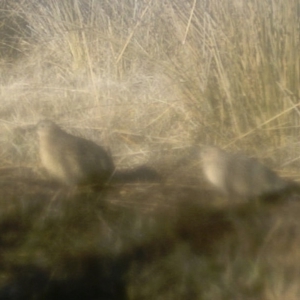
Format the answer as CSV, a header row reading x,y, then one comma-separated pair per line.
x,y
239,175
70,159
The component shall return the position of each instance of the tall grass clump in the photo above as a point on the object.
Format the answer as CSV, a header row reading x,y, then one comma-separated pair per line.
x,y
173,72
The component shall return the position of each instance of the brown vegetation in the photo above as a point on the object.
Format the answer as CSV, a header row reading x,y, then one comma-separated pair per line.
x,y
149,79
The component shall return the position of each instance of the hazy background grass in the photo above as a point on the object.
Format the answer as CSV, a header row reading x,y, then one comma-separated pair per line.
x,y
149,74
148,79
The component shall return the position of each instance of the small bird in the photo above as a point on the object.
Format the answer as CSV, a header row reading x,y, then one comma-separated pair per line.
x,y
72,160
239,175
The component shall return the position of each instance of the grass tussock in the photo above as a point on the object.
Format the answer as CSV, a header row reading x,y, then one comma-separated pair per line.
x,y
148,80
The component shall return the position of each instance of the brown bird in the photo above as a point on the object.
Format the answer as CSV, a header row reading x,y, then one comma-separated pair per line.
x,y
239,175
72,160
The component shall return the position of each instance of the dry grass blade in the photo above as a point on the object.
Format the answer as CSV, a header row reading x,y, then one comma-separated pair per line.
x,y
132,32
